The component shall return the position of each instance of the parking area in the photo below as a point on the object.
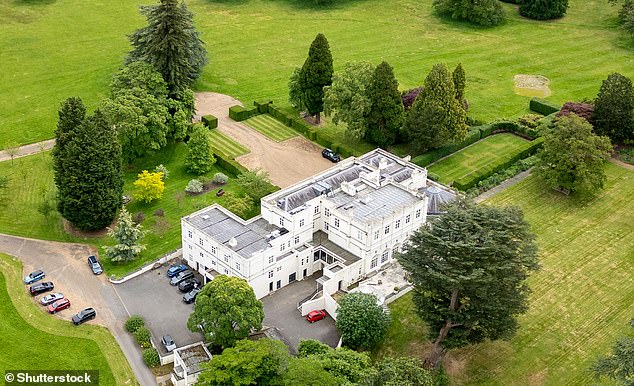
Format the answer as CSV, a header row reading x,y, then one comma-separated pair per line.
x,y
280,310
151,296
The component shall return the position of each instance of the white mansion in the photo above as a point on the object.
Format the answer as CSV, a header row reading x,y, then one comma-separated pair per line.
x,y
347,222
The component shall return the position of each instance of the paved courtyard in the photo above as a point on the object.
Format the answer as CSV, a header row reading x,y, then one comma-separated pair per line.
x,y
280,310
160,304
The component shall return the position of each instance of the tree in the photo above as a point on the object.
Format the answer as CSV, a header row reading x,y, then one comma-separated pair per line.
x,y
619,365
573,157
409,96
149,186
256,183
200,155
543,9
481,12
127,235
316,73
614,108
361,321
90,184
170,43
227,310
385,116
469,269
459,82
402,372
583,110
626,16
347,366
240,205
295,92
346,99
307,372
436,117
259,362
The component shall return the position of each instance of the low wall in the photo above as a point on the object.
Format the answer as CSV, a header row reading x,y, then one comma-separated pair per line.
x,y
331,306
311,305
149,266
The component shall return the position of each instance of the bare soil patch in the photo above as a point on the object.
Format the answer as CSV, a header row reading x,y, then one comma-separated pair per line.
x,y
71,230
532,85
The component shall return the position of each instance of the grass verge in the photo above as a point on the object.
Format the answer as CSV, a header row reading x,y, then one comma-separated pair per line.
x,y
270,127
226,145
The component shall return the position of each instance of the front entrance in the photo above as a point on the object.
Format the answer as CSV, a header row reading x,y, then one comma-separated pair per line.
x,y
292,277
340,285
304,272
279,284
271,287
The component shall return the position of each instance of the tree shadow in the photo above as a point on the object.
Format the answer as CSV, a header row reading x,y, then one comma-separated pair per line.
x,y
228,2
314,6
33,2
466,25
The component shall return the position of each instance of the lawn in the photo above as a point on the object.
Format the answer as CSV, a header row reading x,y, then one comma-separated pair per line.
x,y
484,153
271,127
55,49
31,179
25,329
226,145
582,298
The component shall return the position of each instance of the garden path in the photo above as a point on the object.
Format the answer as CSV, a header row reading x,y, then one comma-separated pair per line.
x,y
30,149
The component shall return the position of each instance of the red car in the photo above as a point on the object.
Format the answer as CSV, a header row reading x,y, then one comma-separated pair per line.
x,y
59,305
316,315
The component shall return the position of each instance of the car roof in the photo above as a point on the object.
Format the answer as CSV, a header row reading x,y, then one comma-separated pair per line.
x,y
36,272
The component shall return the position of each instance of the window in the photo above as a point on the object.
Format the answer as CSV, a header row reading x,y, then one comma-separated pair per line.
x,y
359,235
327,226
417,213
213,262
374,262
384,257
289,243
301,222
189,233
200,241
376,235
202,254
327,212
190,247
281,222
397,224
226,271
270,259
387,229
336,222
296,239
270,274
279,269
407,218
213,251
237,266
317,209
282,247
227,258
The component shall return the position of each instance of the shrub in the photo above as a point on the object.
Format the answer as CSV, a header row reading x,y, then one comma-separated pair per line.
x,y
530,121
206,181
133,323
162,169
543,106
149,186
482,12
262,105
543,9
239,113
209,121
138,217
194,186
142,336
581,109
151,357
220,178
159,212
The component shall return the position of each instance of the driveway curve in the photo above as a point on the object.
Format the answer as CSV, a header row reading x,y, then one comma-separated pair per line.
x,y
287,162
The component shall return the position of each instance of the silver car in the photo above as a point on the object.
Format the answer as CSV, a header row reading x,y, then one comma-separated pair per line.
x,y
51,298
168,342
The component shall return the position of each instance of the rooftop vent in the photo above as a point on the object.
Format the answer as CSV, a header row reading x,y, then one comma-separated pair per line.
x,y
205,217
233,242
382,163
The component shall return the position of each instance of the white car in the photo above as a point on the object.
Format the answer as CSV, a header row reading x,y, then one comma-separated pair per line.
x,y
51,298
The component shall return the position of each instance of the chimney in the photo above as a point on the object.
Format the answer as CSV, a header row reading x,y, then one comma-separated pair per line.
x,y
382,163
348,188
233,242
418,179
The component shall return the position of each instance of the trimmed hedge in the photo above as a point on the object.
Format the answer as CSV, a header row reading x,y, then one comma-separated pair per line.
x,y
142,336
467,182
543,106
239,113
210,121
262,105
230,165
432,156
151,357
280,115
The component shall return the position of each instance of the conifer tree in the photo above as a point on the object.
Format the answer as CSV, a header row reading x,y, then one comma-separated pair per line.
x,y
90,193
436,117
385,117
200,156
170,43
127,235
614,108
459,82
316,73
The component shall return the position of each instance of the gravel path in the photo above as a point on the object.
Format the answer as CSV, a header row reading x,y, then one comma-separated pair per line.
x,y
504,185
25,150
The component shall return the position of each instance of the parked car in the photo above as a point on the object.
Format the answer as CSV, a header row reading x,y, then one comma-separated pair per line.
x,y
34,276
51,298
84,315
58,306
190,297
168,343
181,276
41,288
176,269
94,264
330,155
316,315
188,285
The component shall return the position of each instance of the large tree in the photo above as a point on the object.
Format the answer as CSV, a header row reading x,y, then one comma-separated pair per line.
x,y
469,269
481,12
91,189
227,310
573,157
543,9
402,372
361,321
200,156
307,372
316,73
348,366
346,100
71,114
436,117
385,117
127,234
170,43
256,183
618,365
614,108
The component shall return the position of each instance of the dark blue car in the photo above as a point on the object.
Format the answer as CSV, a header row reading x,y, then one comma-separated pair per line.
x,y
176,269
34,276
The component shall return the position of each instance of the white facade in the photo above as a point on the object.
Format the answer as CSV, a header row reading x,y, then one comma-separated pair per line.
x,y
347,222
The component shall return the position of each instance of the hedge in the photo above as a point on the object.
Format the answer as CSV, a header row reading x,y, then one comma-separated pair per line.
x,y
151,357
543,106
228,164
133,323
432,156
210,121
239,113
262,105
469,181
280,115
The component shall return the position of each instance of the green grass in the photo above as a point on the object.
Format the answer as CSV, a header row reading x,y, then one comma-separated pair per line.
x,y
226,145
31,179
55,49
25,329
582,298
489,151
271,127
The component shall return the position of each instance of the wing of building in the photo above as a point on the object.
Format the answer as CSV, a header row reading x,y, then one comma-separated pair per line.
x,y
346,222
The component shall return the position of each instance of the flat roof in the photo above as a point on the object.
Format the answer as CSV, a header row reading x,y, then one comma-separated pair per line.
x,y
193,357
372,204
320,238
